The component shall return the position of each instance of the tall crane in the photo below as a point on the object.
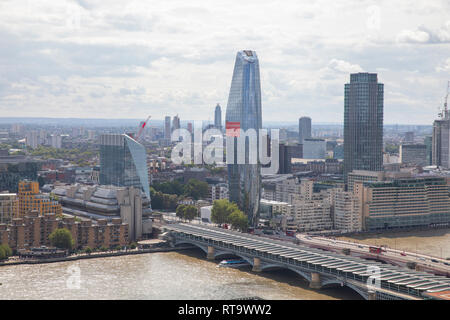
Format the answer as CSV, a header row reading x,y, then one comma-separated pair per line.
x,y
141,129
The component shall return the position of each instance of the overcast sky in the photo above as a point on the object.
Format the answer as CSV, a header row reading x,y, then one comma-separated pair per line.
x,y
129,59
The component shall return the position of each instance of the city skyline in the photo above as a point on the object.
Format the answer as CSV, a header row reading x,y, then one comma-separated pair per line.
x,y
100,66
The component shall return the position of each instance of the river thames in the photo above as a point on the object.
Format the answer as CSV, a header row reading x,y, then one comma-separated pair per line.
x,y
182,275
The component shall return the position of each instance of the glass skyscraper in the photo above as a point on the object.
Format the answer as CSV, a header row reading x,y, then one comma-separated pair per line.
x,y
363,123
218,117
244,110
123,162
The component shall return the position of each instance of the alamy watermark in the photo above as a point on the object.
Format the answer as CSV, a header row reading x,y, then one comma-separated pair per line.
x,y
241,147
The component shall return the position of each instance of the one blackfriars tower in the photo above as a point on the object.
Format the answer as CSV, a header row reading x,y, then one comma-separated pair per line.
x,y
244,112
363,123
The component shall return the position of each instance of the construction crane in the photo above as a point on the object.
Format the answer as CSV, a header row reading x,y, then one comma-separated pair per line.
x,y
141,129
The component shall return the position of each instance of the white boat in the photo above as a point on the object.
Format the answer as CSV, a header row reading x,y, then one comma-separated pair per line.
x,y
234,263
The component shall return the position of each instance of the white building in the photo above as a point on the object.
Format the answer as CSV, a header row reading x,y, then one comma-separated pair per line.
x,y
347,216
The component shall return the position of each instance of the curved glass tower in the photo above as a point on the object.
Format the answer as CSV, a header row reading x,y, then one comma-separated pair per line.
x,y
123,162
244,111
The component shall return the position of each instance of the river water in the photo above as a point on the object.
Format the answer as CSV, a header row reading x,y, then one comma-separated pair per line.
x,y
182,275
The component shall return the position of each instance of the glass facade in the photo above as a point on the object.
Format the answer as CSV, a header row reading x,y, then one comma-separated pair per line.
x,y
244,107
123,162
363,123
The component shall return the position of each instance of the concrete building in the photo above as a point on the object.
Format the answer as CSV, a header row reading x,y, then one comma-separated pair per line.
x,y
304,129
413,154
314,148
33,230
346,211
9,205
167,129
107,203
219,191
404,203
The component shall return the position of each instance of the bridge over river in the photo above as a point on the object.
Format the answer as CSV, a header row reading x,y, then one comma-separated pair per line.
x,y
371,279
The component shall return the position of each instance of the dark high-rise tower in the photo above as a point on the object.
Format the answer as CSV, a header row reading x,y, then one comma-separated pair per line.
x,y
218,117
244,111
304,129
363,123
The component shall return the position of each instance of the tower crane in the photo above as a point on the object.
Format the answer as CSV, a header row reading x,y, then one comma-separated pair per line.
x,y
141,129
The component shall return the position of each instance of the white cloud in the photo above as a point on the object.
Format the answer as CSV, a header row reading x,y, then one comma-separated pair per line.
x,y
166,57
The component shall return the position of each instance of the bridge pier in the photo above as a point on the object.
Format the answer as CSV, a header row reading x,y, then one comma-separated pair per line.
x,y
256,265
210,255
372,295
315,282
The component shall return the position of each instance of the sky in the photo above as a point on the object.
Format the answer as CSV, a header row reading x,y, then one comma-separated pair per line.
x,y
131,59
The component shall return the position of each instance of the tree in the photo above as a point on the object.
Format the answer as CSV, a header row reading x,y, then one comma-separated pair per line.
x,y
190,212
180,211
5,251
196,189
221,211
61,238
238,220
88,250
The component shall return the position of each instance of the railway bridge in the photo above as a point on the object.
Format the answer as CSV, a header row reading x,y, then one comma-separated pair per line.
x,y
371,279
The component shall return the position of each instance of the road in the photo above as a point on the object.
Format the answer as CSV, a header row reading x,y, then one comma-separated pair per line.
x,y
363,249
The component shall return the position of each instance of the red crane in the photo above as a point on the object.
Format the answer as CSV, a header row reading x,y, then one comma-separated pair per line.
x,y
142,128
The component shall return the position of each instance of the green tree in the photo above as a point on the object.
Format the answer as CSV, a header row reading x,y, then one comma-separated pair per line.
x,y
221,210
180,211
88,250
196,189
5,251
190,212
238,220
61,238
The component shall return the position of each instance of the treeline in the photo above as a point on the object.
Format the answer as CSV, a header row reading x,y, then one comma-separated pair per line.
x,y
224,211
194,188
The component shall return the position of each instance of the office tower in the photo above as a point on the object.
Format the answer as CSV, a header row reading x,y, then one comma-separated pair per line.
x,y
314,148
285,157
175,123
304,129
413,154
428,141
244,110
441,141
189,127
218,117
409,137
167,130
123,162
363,123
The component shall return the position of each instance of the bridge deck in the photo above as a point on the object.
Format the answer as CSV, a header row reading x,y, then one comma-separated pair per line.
x,y
392,277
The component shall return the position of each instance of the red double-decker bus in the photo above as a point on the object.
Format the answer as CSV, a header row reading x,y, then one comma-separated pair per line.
x,y
376,250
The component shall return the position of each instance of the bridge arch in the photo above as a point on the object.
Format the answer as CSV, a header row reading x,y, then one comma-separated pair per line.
x,y
305,275
204,248
224,253
331,281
